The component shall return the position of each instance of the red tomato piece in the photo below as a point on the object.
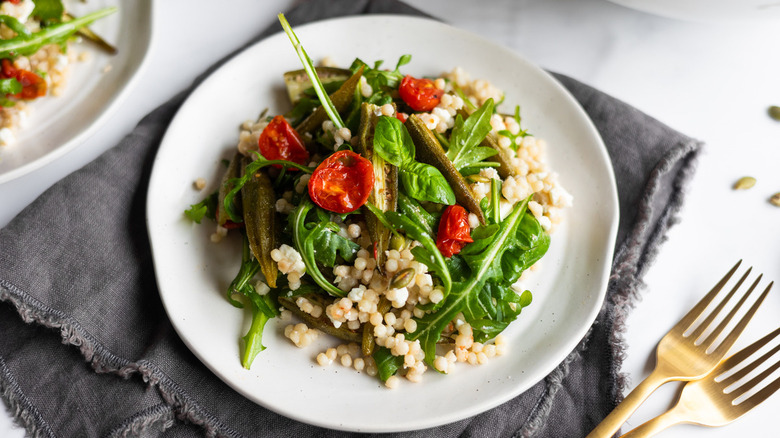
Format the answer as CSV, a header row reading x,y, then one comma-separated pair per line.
x,y
342,182
454,230
280,141
419,94
33,86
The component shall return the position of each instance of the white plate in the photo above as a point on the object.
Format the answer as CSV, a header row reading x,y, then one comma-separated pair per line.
x,y
192,272
58,124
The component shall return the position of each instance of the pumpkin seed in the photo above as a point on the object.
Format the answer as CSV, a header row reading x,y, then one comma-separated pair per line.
x,y
745,183
402,279
774,112
775,199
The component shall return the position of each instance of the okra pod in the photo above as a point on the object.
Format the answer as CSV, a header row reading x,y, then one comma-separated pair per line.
x,y
429,151
259,202
384,194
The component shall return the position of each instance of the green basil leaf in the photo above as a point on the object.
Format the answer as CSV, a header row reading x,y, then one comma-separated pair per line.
x,y
425,183
392,142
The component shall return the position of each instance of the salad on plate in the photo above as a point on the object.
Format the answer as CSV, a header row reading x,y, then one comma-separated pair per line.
x,y
397,213
36,55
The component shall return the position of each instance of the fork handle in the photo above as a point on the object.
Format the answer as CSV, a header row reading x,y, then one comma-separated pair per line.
x,y
657,424
611,424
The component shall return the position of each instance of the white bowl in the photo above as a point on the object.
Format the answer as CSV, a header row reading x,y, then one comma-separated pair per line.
x,y
708,10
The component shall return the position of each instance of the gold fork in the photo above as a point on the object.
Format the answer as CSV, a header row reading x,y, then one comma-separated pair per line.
x,y
688,356
706,402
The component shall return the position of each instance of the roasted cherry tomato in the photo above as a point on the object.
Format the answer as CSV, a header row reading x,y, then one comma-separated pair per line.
x,y
33,86
402,117
419,94
280,141
342,182
454,231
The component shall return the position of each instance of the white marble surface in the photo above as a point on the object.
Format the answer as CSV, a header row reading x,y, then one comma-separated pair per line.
x,y
712,81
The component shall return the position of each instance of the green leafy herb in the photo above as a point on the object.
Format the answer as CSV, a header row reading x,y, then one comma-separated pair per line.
x,y
204,208
10,86
22,45
487,264
386,363
306,238
308,65
48,11
414,211
263,306
16,26
464,150
514,137
381,80
421,181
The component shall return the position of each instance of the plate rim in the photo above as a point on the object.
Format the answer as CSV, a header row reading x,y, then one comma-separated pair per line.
x,y
603,276
104,115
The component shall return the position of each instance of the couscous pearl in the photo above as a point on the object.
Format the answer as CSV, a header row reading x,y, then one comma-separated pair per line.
x,y
342,349
387,109
391,265
360,264
359,364
323,360
354,231
441,364
482,358
392,382
410,325
346,360
390,318
331,354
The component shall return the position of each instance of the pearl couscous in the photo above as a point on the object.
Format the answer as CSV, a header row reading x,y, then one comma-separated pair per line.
x,y
406,276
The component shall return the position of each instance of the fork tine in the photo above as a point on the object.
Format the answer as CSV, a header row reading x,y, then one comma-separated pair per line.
x,y
743,354
752,383
715,312
755,399
729,340
694,313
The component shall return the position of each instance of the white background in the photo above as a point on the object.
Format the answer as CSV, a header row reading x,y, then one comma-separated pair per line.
x,y
712,80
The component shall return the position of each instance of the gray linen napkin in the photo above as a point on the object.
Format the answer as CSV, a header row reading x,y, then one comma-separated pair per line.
x,y
76,269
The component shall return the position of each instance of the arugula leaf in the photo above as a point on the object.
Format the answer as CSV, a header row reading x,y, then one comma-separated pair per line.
x,y
414,211
48,10
513,137
485,265
421,181
328,246
204,208
263,310
386,363
308,65
305,238
16,26
59,33
464,149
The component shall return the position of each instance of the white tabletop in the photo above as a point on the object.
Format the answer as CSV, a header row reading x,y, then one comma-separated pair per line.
x,y
712,81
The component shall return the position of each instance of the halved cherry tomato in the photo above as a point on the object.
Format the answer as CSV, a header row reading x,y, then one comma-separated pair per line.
x,y
342,182
454,231
419,94
280,141
33,86
402,117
